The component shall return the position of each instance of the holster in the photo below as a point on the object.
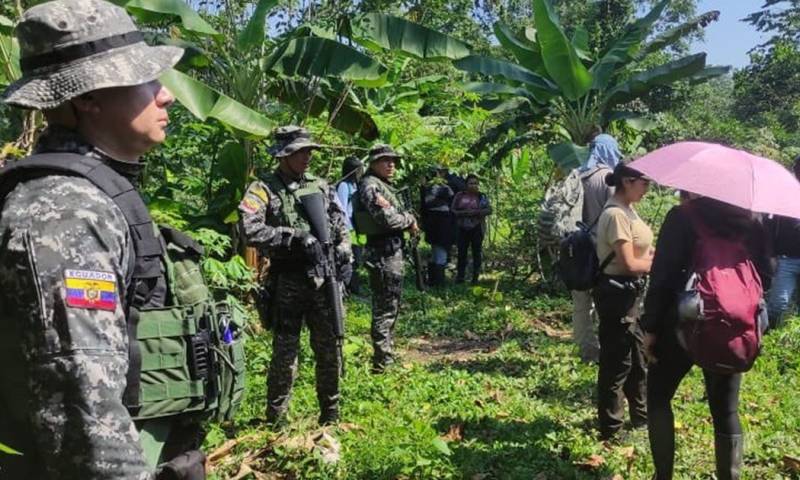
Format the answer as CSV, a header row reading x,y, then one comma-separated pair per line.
x,y
386,245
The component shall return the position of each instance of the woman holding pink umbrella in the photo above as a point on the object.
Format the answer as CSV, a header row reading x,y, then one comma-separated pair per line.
x,y
676,261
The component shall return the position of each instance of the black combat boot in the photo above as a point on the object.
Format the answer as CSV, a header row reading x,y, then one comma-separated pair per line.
x,y
329,416
728,450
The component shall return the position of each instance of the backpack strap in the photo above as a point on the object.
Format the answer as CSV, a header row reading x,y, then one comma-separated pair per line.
x,y
606,261
148,251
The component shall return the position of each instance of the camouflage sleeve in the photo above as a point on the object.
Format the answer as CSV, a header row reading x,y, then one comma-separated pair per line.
x,y
382,210
258,203
63,265
339,231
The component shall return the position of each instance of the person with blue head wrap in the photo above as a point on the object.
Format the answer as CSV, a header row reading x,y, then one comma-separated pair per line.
x,y
604,149
604,155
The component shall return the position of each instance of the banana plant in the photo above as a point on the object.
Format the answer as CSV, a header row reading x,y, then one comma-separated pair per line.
x,y
555,77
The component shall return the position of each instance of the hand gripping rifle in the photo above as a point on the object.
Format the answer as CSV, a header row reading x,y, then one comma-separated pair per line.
x,y
314,206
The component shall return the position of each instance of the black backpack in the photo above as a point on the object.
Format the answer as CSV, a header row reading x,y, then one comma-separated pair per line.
x,y
578,265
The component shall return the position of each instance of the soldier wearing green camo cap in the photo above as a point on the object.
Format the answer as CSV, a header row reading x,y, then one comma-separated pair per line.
x,y
71,275
274,221
381,216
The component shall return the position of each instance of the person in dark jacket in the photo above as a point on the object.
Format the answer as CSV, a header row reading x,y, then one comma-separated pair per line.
x,y
785,234
438,224
669,363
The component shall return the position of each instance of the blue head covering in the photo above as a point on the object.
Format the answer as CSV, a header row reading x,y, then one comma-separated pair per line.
x,y
604,149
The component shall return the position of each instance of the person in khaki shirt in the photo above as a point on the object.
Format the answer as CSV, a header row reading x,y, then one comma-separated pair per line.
x,y
625,239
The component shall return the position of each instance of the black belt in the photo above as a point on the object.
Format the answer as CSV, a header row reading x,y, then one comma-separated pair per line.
x,y
286,265
384,239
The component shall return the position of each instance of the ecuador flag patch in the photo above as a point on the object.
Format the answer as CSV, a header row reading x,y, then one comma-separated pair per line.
x,y
91,289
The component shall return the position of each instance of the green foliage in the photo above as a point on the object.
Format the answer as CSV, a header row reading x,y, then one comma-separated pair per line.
x,y
379,31
500,395
5,449
781,18
588,89
204,102
770,85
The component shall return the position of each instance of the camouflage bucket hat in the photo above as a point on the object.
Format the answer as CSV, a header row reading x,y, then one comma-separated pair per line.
x,y
71,47
290,139
380,151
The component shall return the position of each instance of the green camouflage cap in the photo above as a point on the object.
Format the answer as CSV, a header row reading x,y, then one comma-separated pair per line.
x,y
290,139
381,150
71,47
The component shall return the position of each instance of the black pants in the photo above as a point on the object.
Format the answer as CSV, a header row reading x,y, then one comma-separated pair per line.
x,y
622,371
470,239
664,377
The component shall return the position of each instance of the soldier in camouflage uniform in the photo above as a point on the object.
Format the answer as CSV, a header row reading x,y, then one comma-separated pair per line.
x,y
381,216
64,358
275,223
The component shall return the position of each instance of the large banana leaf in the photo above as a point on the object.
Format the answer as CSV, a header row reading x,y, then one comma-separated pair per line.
x,y
486,88
560,58
542,88
497,158
379,31
625,47
498,106
321,57
255,31
9,53
580,40
673,35
526,54
204,103
160,11
493,134
6,25
350,118
568,155
707,74
642,83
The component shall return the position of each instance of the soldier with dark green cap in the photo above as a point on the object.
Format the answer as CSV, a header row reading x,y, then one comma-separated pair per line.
x,y
76,267
275,222
380,215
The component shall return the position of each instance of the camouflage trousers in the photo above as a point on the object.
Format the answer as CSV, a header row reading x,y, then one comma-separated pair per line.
x,y
386,282
296,301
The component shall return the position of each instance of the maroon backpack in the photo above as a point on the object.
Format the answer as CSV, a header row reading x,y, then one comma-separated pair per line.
x,y
721,307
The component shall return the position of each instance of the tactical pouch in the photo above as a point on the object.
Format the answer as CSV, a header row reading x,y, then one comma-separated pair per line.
x,y
192,353
173,344
231,362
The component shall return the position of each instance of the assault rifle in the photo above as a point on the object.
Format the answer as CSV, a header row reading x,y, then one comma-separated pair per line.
x,y
416,257
314,206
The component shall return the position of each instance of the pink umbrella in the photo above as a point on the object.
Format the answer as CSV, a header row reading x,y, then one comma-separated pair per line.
x,y
726,174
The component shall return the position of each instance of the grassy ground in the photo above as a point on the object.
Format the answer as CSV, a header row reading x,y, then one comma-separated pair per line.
x,y
488,387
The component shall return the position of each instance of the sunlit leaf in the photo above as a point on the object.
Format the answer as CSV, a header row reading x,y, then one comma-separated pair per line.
x,y
376,30
204,103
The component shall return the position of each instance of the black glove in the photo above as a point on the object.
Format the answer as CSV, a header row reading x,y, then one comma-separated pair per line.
x,y
312,248
188,466
346,273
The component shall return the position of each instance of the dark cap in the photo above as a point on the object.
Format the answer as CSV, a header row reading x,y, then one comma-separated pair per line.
x,y
290,139
380,150
623,171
